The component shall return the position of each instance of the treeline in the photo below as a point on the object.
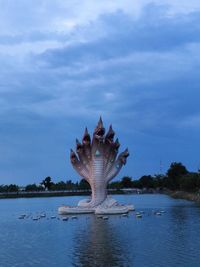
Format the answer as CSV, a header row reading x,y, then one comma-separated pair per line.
x,y
47,184
176,178
9,188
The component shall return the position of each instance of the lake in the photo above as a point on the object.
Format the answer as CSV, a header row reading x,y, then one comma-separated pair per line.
x,y
172,239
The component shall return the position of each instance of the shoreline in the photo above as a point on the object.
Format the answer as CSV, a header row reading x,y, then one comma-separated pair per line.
x,y
24,194
12,195
40,194
193,196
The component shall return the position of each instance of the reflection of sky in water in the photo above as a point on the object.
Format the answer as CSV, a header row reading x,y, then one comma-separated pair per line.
x,y
168,240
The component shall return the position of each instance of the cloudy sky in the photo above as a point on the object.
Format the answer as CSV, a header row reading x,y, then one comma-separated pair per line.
x,y
64,63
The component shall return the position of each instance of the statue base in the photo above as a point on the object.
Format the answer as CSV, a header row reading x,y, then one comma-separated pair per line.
x,y
108,206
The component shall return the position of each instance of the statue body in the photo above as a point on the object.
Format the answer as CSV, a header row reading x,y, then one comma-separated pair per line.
x,y
98,162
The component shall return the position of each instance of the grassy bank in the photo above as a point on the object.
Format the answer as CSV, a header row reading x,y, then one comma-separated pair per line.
x,y
195,196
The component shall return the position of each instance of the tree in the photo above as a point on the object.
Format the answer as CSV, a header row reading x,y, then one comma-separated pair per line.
x,y
175,172
126,182
115,185
58,186
47,183
147,181
13,188
190,182
136,184
69,185
84,185
158,180
33,187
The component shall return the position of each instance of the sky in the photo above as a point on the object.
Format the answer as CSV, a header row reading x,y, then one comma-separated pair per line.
x,y
65,63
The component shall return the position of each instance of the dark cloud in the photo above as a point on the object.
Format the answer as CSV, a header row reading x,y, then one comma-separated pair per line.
x,y
152,32
140,74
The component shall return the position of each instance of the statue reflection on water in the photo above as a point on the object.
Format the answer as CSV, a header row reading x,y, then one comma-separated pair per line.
x,y
99,246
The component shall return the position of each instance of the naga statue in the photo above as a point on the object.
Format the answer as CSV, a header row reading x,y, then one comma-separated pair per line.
x,y
98,162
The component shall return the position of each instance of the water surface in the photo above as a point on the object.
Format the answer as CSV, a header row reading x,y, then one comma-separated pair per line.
x,y
172,239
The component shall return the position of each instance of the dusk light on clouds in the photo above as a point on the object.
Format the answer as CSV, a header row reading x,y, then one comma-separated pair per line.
x,y
65,63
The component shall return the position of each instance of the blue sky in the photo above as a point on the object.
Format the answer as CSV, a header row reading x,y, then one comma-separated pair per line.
x,y
65,63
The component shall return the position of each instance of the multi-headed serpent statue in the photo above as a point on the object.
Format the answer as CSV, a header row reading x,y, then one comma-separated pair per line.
x,y
97,162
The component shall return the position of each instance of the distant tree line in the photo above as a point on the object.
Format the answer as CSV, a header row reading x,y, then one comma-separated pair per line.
x,y
9,188
176,178
47,184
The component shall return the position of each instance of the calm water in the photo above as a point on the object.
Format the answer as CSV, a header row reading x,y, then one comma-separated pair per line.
x,y
172,239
